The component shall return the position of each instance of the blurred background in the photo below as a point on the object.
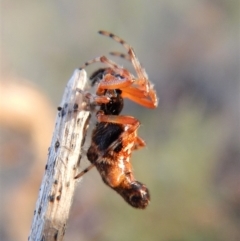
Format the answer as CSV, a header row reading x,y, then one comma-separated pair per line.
x,y
190,49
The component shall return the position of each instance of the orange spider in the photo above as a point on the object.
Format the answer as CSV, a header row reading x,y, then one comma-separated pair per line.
x,y
115,136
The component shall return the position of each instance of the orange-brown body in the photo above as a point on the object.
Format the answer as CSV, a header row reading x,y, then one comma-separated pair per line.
x,y
111,153
115,136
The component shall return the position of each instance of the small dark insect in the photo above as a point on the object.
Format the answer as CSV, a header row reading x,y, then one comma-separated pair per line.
x,y
115,136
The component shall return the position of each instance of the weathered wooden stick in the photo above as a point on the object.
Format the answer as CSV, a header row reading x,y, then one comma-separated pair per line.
x,y
58,184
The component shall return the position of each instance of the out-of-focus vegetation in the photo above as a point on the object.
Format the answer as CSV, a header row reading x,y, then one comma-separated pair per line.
x,y
191,165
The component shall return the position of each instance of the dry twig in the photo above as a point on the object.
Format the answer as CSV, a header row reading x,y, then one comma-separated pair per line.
x,y
58,184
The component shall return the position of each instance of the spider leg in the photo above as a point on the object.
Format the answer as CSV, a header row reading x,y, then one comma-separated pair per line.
x,y
103,59
117,69
142,78
118,119
110,81
84,171
132,92
94,98
116,38
131,123
141,73
140,97
139,143
121,55
138,93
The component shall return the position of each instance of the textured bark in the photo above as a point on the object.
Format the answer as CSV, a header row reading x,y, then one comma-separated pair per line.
x,y
58,184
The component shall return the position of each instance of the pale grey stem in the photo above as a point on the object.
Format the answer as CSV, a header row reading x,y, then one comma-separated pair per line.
x,y
58,184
